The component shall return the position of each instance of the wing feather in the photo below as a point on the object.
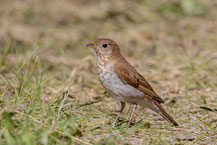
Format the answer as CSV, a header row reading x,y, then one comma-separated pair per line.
x,y
129,75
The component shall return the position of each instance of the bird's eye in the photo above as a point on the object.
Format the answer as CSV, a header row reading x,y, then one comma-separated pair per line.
x,y
104,45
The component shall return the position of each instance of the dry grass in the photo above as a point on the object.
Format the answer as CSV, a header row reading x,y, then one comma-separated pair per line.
x,y
49,90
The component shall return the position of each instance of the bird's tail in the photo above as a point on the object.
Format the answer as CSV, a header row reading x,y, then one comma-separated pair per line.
x,y
165,115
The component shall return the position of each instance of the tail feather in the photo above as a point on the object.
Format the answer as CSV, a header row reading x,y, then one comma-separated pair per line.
x,y
165,115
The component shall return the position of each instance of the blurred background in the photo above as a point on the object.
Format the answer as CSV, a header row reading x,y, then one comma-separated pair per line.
x,y
140,26
43,53
169,34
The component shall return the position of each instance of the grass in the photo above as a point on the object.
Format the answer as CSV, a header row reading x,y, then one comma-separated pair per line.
x,y
49,89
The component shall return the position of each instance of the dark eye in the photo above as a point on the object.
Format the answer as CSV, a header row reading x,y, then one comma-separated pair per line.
x,y
104,45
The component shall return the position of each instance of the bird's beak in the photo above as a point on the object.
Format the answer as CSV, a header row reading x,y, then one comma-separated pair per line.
x,y
91,45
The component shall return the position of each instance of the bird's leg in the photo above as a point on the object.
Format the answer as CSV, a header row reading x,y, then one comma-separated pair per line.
x,y
119,112
131,115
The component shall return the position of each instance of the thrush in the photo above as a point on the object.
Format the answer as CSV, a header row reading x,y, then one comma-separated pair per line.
x,y
123,82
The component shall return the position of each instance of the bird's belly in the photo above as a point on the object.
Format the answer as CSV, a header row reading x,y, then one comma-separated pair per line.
x,y
119,89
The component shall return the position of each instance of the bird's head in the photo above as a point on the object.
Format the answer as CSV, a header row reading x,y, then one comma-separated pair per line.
x,y
105,47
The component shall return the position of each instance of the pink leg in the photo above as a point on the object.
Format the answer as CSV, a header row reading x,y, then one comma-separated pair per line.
x,y
122,108
132,113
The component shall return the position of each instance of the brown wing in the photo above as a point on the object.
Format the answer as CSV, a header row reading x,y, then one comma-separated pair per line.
x,y
129,75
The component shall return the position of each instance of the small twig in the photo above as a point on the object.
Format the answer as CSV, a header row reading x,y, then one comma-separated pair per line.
x,y
88,103
209,109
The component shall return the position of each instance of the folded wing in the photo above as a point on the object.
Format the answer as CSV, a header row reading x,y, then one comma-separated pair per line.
x,y
132,77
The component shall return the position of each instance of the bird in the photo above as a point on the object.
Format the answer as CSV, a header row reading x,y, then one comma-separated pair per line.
x,y
123,83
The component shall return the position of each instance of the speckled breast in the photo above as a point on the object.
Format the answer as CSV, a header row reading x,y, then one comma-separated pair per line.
x,y
115,86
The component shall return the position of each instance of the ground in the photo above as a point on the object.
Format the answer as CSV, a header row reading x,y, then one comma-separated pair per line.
x,y
49,88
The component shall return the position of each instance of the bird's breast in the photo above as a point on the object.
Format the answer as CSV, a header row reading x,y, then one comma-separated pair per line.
x,y
117,88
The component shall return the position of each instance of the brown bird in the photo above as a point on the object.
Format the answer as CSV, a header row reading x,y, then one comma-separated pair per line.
x,y
123,82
